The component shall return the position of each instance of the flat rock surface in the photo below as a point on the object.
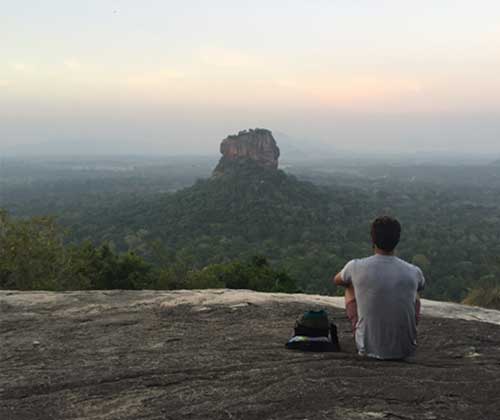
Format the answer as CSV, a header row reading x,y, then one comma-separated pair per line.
x,y
220,355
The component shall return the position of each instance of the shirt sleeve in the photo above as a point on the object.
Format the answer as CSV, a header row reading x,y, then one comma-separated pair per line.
x,y
421,280
346,272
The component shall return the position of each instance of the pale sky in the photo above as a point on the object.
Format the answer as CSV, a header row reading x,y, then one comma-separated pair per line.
x,y
179,76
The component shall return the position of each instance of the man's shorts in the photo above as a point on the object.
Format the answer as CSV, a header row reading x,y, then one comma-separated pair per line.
x,y
351,309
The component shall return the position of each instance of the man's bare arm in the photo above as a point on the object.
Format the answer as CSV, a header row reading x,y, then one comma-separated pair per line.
x,y
339,281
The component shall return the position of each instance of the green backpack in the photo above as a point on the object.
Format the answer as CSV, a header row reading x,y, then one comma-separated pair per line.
x,y
316,321
314,332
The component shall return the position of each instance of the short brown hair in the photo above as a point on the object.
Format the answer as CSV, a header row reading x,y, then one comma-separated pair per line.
x,y
386,232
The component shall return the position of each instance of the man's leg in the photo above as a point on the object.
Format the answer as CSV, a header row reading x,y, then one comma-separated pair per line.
x,y
349,294
351,307
418,308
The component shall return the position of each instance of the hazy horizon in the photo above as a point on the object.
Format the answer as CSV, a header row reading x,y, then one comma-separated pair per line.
x,y
169,78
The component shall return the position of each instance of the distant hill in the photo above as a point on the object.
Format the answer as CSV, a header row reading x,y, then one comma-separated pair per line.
x,y
248,201
249,210
247,207
299,149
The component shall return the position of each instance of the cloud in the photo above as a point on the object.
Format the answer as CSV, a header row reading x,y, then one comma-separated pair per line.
x,y
347,90
288,84
155,78
224,57
19,67
72,64
375,92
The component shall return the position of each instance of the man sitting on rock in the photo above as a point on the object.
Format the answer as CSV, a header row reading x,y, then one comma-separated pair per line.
x,y
381,296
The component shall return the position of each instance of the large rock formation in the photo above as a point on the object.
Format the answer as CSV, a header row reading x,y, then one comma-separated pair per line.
x,y
219,354
256,145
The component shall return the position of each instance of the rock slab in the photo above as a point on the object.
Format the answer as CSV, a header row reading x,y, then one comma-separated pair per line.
x,y
220,355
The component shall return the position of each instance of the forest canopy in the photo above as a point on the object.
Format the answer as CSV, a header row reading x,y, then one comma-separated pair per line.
x,y
307,226
33,256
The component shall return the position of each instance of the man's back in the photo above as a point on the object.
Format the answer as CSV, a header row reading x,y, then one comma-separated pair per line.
x,y
385,288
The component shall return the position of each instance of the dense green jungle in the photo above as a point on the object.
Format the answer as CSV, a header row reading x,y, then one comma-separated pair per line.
x,y
166,223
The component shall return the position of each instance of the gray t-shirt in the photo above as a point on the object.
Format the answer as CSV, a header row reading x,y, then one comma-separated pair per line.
x,y
386,289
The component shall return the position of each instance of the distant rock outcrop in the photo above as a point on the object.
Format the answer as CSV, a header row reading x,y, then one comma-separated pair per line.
x,y
258,146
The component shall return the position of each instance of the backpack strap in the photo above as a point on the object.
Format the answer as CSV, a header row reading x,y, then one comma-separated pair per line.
x,y
334,337
310,332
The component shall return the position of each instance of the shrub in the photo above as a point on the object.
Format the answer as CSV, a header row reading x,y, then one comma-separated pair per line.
x,y
485,297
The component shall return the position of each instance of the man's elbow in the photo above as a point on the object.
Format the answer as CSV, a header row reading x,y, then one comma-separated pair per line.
x,y
338,281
